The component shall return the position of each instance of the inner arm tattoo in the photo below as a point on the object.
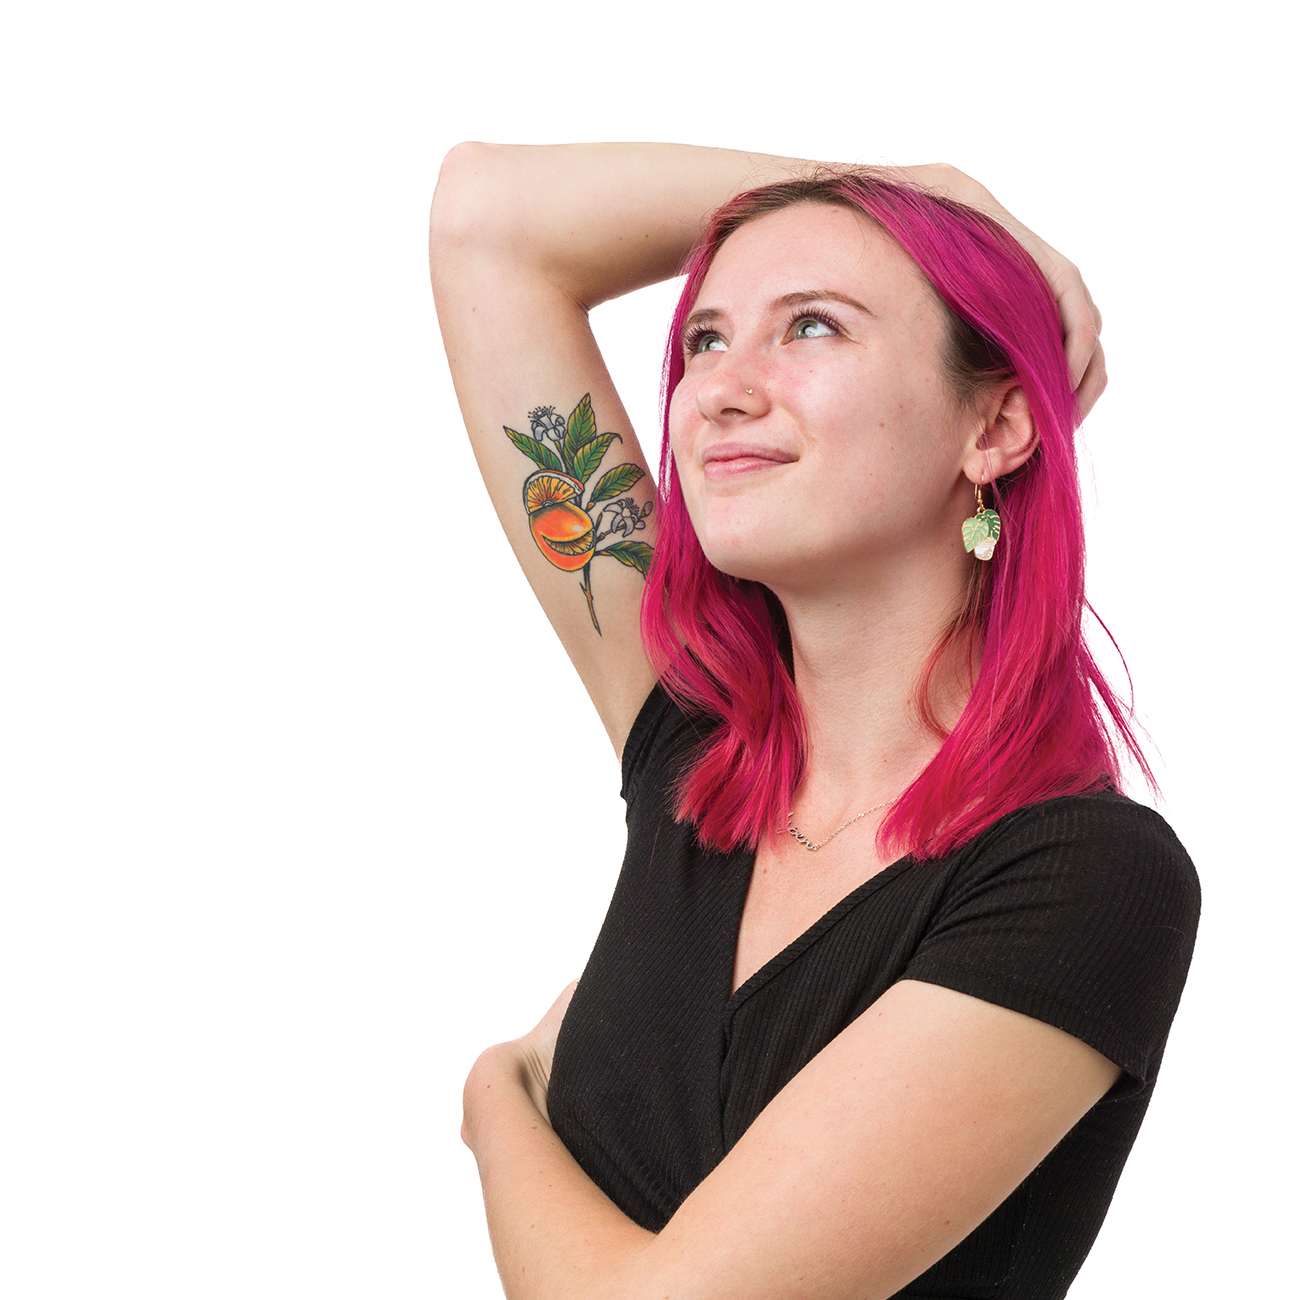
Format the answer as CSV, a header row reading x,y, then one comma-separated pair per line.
x,y
567,530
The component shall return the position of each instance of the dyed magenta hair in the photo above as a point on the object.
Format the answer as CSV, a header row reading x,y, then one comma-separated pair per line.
x,y
1036,723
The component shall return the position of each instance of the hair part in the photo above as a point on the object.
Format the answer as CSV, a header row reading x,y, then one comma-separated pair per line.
x,y
1041,720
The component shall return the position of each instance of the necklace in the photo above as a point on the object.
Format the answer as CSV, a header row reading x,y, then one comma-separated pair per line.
x,y
811,847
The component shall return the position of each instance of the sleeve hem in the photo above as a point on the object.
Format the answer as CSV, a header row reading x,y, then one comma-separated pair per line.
x,y
1099,1032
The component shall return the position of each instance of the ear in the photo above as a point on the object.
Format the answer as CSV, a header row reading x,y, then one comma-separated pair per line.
x,y
1003,435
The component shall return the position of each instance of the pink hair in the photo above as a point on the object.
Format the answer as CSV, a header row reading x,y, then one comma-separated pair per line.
x,y
1040,718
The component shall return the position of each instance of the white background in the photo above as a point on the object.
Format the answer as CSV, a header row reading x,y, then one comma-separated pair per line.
x,y
302,805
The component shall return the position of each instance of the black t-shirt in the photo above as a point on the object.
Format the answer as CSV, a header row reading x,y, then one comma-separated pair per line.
x,y
1080,912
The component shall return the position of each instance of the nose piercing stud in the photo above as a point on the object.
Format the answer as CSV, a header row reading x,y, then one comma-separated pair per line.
x,y
750,391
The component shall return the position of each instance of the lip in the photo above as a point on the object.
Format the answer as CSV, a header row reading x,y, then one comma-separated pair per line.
x,y
726,459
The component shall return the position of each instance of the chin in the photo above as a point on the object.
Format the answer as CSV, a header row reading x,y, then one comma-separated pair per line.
x,y
754,559
761,539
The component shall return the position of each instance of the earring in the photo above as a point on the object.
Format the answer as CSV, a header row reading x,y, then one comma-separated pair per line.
x,y
981,531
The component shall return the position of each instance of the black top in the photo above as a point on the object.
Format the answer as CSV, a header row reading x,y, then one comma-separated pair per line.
x,y
1080,912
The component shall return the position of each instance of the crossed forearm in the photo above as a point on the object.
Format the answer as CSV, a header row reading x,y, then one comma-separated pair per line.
x,y
555,1235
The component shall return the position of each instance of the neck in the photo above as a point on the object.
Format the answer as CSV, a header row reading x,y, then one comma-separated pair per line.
x,y
859,653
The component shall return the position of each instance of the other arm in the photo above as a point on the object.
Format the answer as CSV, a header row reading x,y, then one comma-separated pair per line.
x,y
879,1157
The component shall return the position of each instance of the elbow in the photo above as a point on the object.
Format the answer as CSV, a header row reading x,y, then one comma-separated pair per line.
x,y
471,203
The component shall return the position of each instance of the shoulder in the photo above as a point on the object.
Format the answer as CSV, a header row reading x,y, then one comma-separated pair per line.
x,y
1081,912
660,741
1104,842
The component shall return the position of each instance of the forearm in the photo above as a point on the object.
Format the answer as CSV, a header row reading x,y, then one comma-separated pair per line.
x,y
597,220
555,1235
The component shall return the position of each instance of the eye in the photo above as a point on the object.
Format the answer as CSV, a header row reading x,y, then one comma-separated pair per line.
x,y
701,339
814,327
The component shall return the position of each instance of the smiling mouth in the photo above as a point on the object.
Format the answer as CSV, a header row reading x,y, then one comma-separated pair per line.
x,y
728,459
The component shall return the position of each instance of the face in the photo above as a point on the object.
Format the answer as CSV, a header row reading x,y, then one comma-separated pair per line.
x,y
815,432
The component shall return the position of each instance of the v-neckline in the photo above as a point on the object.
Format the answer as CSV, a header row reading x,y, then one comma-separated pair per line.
x,y
796,946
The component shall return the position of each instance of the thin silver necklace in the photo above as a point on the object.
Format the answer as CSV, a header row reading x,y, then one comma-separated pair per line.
x,y
811,847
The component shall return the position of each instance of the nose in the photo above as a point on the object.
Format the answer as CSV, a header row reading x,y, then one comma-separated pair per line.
x,y
732,390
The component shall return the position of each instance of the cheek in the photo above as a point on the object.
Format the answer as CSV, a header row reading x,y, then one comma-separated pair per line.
x,y
682,433
680,406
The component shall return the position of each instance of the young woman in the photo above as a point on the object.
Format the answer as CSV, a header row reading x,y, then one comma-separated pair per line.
x,y
885,981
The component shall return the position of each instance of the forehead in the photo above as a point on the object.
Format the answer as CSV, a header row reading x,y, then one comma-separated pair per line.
x,y
814,246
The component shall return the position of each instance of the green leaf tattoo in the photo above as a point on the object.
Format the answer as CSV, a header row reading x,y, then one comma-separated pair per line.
x,y
580,431
539,451
567,453
636,555
588,457
616,480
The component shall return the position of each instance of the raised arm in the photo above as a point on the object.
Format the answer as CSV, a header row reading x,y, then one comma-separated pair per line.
x,y
524,241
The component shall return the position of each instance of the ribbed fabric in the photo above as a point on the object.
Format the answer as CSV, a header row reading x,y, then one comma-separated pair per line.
x,y
1080,912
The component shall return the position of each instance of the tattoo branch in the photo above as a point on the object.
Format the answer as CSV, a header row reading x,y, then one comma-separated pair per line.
x,y
568,453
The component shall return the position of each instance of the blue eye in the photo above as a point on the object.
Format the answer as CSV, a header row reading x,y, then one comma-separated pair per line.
x,y
813,327
703,340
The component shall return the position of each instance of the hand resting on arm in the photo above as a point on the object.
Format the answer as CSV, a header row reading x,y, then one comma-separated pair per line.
x,y
881,1155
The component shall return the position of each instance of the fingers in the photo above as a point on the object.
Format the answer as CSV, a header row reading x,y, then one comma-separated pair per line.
x,y
1093,383
548,1027
562,1002
1081,322
1096,311
1080,319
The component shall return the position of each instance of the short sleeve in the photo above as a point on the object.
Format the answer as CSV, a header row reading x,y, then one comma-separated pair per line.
x,y
661,739
1080,912
638,749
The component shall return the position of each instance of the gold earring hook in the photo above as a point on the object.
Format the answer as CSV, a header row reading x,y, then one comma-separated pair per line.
x,y
981,531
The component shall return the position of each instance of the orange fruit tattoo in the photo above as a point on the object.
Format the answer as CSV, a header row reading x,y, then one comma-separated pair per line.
x,y
563,530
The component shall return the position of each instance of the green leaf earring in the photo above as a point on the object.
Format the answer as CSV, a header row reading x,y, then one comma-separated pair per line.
x,y
981,531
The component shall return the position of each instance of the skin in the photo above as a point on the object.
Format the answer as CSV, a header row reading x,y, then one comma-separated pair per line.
x,y
907,1130
854,396
851,514
526,240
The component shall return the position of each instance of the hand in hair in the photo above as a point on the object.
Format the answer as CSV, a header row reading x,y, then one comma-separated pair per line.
x,y
1079,315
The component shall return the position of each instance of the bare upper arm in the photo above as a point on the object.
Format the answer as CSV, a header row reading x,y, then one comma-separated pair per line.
x,y
562,465
881,1155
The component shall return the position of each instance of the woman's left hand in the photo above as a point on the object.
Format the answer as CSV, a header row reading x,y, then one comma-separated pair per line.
x,y
537,1050
525,1062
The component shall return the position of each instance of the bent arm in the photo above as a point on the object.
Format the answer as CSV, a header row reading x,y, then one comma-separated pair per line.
x,y
524,241
593,221
880,1156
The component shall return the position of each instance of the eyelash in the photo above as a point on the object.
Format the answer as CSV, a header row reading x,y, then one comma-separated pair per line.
x,y
698,333
819,316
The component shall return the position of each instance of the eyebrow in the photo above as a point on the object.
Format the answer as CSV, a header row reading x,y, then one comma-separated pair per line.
x,y
707,314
